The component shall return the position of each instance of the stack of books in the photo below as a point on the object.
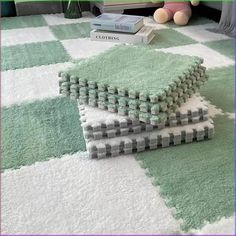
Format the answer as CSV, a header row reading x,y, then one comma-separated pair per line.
x,y
121,28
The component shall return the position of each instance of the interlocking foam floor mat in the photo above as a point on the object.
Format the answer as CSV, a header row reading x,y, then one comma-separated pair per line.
x,y
150,140
99,124
133,108
155,86
67,194
197,179
33,54
40,130
111,136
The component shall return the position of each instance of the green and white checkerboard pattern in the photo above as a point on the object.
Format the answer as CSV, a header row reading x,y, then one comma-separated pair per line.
x,y
48,183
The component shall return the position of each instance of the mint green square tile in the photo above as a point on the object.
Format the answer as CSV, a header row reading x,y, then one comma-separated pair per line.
x,y
22,22
225,47
196,179
166,38
33,54
219,89
152,73
39,131
71,31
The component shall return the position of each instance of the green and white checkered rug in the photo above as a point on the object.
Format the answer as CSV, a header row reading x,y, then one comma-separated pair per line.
x,y
48,183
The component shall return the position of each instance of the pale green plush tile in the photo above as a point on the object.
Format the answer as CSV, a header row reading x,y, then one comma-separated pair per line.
x,y
219,90
33,54
197,179
71,31
40,130
22,22
225,47
150,73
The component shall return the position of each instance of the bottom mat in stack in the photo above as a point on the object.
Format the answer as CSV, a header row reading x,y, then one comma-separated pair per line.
x,y
109,134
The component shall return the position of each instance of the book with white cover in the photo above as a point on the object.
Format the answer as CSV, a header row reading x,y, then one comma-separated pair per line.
x,y
117,22
144,35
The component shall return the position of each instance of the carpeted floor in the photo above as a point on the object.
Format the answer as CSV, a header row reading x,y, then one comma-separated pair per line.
x,y
48,183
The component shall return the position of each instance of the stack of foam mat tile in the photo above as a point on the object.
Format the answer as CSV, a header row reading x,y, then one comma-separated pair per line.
x,y
145,100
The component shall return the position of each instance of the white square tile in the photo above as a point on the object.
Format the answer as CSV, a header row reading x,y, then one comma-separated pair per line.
x,y
29,84
84,47
211,57
77,195
59,19
200,33
26,35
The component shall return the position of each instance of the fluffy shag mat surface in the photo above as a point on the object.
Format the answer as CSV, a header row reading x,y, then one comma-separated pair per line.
x,y
50,186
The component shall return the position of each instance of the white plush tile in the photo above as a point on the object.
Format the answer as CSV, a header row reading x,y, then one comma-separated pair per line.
x,y
59,19
26,35
211,57
77,195
225,226
200,32
84,47
25,85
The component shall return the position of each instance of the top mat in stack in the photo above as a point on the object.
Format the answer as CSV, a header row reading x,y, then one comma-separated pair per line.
x,y
135,81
